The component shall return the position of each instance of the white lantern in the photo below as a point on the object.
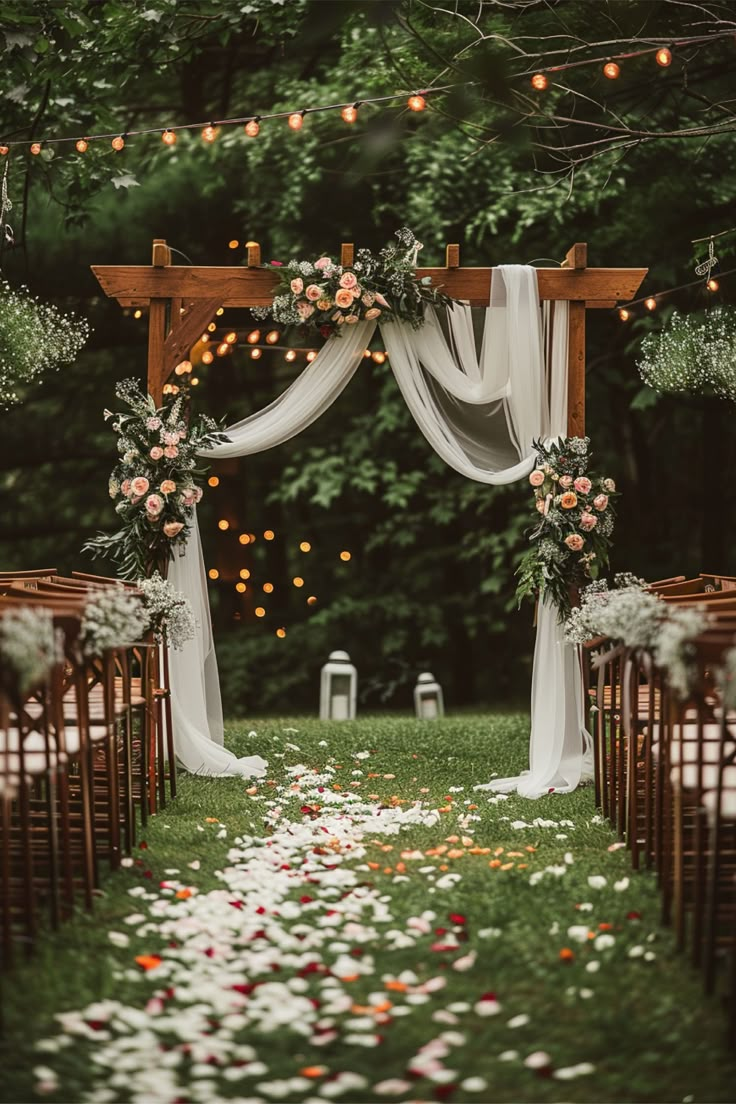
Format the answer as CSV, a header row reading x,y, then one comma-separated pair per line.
x,y
338,689
428,698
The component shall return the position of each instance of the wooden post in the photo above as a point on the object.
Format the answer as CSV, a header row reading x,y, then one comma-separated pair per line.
x,y
577,259
157,326
347,254
452,256
254,254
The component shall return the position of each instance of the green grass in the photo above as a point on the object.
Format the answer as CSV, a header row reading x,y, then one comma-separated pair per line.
x,y
645,1025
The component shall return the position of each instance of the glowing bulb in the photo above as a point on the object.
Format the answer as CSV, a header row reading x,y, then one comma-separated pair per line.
x,y
194,381
256,354
611,70
281,633
214,481
345,556
712,285
650,303
349,114
296,120
220,311
379,358
213,573
291,355
223,349
416,103
4,150
269,534
233,244
311,355
35,148
254,337
223,524
367,353
298,581
663,57
268,588
169,137
260,611
539,81
312,600
205,338
138,313
272,337
244,538
209,133
252,538
244,573
241,588
252,128
81,145
118,143
624,314
305,546
212,327
207,357
231,338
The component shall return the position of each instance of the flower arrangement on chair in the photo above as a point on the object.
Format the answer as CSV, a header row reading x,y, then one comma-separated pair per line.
x,y
570,542
155,481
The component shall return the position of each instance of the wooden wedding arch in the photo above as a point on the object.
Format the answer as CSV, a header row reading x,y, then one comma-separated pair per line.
x,y
182,300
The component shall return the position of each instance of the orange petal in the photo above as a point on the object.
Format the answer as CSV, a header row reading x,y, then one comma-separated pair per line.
x,y
495,862
443,866
507,866
313,1071
396,986
182,894
498,851
373,866
452,839
212,820
349,977
456,853
148,962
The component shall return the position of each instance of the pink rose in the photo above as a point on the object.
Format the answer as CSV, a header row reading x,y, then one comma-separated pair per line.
x,y
154,505
197,494
313,293
348,280
536,478
351,319
156,452
188,497
171,528
168,486
297,286
600,501
609,485
582,484
172,437
139,485
171,452
344,298
566,481
372,313
540,506
574,542
588,522
125,486
323,263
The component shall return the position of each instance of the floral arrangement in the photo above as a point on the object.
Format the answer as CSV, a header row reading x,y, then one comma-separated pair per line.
x,y
154,481
169,611
324,295
570,542
35,337
30,645
695,354
114,617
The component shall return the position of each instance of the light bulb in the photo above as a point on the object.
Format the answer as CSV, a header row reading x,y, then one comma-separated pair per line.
x,y
296,120
213,573
256,354
268,588
231,338
298,581
169,137
624,314
241,588
194,381
214,481
291,355
272,337
118,143
269,534
312,600
349,114
260,611
254,337
35,148
650,303
138,313
712,285
244,538
539,81
233,244
611,70
305,546
367,353
209,133
244,573
220,311
345,556
81,145
207,357
379,358
223,349
252,128
663,57
416,103
4,150
281,633
311,355
223,524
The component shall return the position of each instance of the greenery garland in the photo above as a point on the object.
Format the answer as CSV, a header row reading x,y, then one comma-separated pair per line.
x,y
695,354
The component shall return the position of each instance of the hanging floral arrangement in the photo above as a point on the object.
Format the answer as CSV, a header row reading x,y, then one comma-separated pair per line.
x,y
695,354
323,295
570,541
35,338
155,482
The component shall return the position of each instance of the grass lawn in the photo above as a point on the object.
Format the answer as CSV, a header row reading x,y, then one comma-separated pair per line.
x,y
619,1017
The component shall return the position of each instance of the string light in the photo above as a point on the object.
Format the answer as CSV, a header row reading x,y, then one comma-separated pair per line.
x,y
296,120
416,103
169,137
241,588
253,337
311,355
367,353
272,337
312,600
244,538
138,313
35,148
260,611
305,546
220,311
118,143
269,534
213,573
650,303
281,633
214,481
194,381
256,354
298,581
350,114
611,70
253,127
4,150
663,57
223,524
623,314
345,556
712,285
291,355
209,133
231,338
212,327
81,145
539,81
207,357
379,358
268,588
223,349
233,244
244,573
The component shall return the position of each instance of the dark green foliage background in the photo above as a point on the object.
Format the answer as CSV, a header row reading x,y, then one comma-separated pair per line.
x,y
431,579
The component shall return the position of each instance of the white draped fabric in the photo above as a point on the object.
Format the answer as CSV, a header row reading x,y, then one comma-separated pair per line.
x,y
480,411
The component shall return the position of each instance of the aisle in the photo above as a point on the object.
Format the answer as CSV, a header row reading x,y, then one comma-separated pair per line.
x,y
363,926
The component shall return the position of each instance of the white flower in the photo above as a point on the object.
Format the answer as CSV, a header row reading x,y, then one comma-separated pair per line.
x,y
539,1059
578,932
621,885
603,942
569,1073
518,1021
597,881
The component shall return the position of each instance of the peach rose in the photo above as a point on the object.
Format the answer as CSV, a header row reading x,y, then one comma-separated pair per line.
x,y
198,494
344,298
313,293
372,313
582,484
154,505
348,280
574,542
566,481
588,522
609,485
171,437
171,528
168,486
297,286
324,303
156,452
125,486
171,452
540,505
536,478
568,500
600,501
351,319
139,485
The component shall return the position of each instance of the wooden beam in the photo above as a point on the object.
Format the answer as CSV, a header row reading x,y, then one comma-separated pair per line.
x,y
188,331
577,256
576,370
243,287
347,254
156,341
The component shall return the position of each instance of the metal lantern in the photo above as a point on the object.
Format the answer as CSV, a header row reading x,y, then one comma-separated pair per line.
x,y
338,688
428,698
